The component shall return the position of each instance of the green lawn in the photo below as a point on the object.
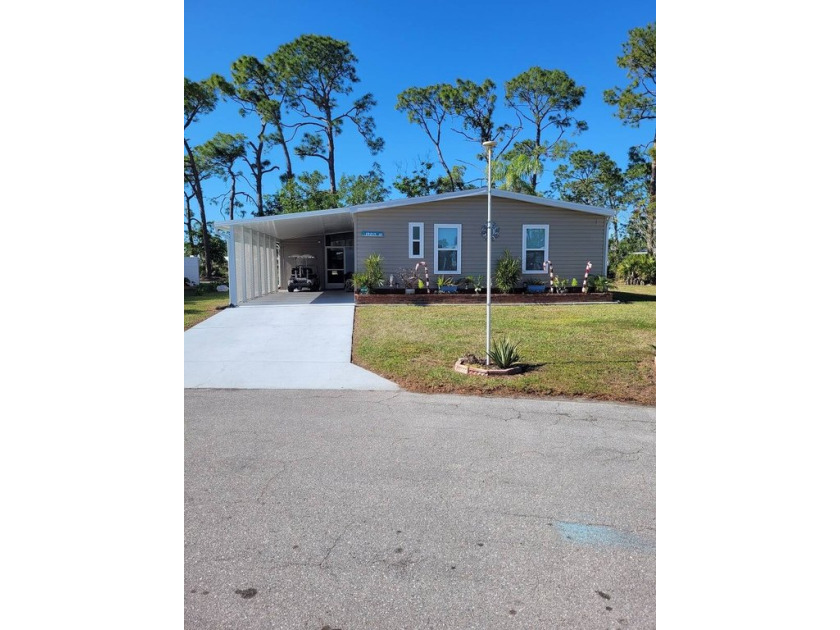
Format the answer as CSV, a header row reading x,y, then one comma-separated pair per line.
x,y
599,351
197,308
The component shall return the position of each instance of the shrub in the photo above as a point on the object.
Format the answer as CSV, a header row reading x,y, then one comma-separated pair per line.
x,y
504,353
637,269
600,284
508,270
373,267
361,280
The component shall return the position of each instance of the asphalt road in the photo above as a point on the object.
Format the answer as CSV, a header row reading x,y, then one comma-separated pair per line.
x,y
350,510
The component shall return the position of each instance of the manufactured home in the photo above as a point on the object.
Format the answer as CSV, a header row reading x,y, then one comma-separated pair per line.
x,y
447,232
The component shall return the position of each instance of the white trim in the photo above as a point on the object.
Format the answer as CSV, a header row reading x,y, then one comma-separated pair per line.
x,y
607,245
231,248
457,226
525,228
411,241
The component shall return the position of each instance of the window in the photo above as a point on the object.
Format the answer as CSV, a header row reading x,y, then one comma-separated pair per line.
x,y
415,240
448,248
534,248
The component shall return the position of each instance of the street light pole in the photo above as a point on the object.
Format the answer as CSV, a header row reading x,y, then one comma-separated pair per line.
x,y
489,146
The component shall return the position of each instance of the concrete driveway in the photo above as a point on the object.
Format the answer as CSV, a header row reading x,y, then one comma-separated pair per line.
x,y
281,341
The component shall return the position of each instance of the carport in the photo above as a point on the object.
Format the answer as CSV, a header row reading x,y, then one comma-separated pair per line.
x,y
259,250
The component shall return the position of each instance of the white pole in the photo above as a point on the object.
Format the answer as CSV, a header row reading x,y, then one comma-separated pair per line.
x,y
489,144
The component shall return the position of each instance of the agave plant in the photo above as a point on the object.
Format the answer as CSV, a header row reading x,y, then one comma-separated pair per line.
x,y
504,353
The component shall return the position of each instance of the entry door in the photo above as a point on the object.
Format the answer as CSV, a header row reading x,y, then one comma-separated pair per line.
x,y
335,267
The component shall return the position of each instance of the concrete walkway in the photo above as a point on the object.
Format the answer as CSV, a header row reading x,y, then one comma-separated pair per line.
x,y
281,341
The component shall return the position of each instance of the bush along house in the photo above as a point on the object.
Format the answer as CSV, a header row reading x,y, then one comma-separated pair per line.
x,y
446,232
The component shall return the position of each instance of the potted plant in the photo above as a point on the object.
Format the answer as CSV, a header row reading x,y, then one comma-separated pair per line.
x,y
373,271
361,282
535,285
445,285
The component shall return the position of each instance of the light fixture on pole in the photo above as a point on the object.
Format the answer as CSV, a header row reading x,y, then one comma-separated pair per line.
x,y
489,146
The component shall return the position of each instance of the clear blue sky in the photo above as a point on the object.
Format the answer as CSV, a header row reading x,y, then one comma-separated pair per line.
x,y
400,45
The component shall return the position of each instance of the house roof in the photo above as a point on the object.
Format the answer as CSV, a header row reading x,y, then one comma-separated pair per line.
x,y
301,224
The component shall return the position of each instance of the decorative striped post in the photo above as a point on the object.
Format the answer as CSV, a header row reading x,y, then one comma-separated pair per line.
x,y
425,268
585,276
547,263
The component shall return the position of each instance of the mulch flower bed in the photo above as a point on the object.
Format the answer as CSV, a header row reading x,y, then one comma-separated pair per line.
x,y
481,298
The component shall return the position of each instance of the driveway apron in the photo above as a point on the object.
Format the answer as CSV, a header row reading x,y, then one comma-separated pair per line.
x,y
282,341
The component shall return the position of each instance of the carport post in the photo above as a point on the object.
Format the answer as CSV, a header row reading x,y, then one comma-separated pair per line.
x,y
231,247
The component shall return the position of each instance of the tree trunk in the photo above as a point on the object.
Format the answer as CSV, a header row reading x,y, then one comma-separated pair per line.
x,y
536,149
444,165
188,222
330,149
651,231
232,190
205,234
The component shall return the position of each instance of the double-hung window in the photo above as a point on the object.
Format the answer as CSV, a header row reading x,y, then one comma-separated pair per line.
x,y
415,240
534,248
448,248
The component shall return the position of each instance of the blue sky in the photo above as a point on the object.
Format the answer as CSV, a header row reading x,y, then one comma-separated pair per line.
x,y
400,45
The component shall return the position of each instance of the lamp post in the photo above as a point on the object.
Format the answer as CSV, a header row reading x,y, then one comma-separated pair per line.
x,y
489,146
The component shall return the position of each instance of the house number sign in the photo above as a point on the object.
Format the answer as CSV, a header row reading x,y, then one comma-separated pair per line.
x,y
377,234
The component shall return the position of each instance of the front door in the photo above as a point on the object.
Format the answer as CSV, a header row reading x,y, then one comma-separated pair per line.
x,y
335,267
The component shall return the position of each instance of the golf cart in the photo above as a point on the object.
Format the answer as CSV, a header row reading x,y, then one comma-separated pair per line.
x,y
303,275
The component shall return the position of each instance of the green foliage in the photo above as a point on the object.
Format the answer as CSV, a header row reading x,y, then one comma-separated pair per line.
x,y
590,178
354,190
574,282
472,282
545,98
360,280
474,104
637,101
508,271
518,169
600,284
504,353
637,269
200,98
318,69
373,269
419,184
217,249
304,192
559,283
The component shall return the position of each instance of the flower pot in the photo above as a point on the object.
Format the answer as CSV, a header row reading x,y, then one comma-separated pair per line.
x,y
536,288
448,289
409,291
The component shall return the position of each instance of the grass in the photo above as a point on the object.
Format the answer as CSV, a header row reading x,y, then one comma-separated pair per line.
x,y
598,351
197,307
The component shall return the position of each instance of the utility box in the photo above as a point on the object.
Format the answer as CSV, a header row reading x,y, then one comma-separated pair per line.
x,y
191,269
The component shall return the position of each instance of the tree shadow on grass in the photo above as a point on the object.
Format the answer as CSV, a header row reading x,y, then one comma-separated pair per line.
x,y
531,367
629,298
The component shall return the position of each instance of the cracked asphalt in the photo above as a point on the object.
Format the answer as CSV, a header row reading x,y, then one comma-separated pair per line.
x,y
346,510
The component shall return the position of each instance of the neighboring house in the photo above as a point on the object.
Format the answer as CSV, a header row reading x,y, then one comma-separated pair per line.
x,y
191,271
444,231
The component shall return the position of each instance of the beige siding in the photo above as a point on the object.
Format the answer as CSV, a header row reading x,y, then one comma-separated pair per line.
x,y
574,237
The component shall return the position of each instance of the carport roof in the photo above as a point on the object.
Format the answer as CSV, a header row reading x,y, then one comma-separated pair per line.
x,y
301,224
